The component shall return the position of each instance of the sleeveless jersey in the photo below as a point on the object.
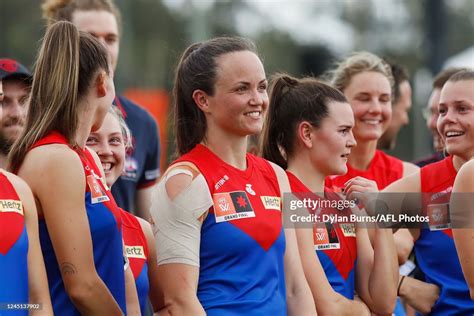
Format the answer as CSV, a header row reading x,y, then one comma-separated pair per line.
x,y
242,238
136,248
105,226
383,169
13,248
335,245
435,250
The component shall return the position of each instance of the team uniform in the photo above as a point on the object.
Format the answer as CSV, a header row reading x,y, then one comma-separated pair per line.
x,y
142,167
106,234
383,169
335,244
136,249
242,238
13,249
435,249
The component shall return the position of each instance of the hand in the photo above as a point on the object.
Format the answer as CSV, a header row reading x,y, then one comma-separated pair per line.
x,y
357,185
420,295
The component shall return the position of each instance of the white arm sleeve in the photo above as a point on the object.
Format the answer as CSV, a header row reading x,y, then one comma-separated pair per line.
x,y
177,228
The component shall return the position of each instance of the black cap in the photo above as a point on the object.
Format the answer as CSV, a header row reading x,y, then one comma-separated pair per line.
x,y
10,68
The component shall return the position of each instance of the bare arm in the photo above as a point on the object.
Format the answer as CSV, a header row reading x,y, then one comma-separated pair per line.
x,y
461,203
327,301
377,270
68,225
298,294
37,280
403,244
131,295
155,299
409,168
143,202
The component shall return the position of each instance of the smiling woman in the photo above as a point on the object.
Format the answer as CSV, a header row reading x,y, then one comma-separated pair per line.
x,y
213,226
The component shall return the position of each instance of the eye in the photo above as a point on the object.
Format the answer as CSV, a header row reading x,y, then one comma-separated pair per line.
x,y
111,39
344,131
115,140
442,111
462,109
384,99
262,87
241,89
91,141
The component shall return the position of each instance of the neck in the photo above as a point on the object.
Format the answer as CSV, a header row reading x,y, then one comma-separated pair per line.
x,y
3,161
231,149
362,154
84,126
304,170
458,162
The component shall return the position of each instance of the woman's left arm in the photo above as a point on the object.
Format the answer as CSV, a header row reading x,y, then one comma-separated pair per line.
x,y
298,294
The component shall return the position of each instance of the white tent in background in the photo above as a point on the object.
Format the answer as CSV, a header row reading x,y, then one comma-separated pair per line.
x,y
463,59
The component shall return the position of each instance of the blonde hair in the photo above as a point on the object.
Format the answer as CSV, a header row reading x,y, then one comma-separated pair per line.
x,y
67,63
356,63
62,10
126,133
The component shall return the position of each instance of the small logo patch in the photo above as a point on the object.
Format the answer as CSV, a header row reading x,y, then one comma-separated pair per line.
x,y
271,202
325,237
14,206
135,252
232,205
98,195
438,216
248,188
348,229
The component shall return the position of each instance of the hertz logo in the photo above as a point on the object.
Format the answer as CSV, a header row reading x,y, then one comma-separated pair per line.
x,y
11,206
271,202
135,252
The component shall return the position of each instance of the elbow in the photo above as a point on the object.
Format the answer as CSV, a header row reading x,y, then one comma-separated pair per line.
x,y
179,305
81,292
403,252
385,306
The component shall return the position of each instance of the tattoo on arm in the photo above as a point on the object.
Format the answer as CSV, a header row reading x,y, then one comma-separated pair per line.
x,y
68,268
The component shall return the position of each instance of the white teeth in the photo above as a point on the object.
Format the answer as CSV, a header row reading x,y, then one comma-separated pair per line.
x,y
453,133
106,166
372,122
253,114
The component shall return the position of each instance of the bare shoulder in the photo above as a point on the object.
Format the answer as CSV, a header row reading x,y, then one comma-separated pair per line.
x,y
410,183
178,177
409,168
50,164
146,227
465,180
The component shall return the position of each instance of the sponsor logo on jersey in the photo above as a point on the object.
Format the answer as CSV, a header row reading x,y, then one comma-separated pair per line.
x,y
348,229
98,194
248,188
221,182
135,252
11,206
232,205
325,237
271,202
438,216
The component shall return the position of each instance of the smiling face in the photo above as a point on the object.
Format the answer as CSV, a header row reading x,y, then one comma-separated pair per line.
x,y
334,140
456,118
240,96
369,95
108,142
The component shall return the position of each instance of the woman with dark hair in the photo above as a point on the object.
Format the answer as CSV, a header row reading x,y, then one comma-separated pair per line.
x,y
308,131
222,249
80,224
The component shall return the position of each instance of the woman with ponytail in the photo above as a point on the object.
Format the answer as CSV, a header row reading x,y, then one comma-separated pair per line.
x,y
217,209
308,131
79,222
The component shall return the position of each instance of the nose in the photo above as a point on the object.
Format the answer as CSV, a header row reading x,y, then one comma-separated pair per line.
x,y
351,142
16,109
256,98
104,150
375,106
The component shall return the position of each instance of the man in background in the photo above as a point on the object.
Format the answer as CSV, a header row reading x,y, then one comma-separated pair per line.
x,y
16,80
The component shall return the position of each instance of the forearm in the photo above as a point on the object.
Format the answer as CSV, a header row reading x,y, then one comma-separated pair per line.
x,y
299,301
133,306
384,273
94,298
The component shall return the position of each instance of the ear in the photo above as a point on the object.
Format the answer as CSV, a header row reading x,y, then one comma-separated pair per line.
x,y
101,84
304,134
200,98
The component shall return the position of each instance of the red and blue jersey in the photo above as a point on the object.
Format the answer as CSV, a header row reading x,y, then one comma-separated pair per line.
x,y
13,248
142,165
136,248
105,226
242,238
435,249
383,169
335,244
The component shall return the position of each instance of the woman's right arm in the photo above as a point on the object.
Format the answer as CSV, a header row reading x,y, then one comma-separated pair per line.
x,y
178,248
56,177
328,302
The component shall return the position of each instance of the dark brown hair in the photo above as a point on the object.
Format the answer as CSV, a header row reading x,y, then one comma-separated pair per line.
x,y
443,76
293,101
67,63
400,75
197,70
462,75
